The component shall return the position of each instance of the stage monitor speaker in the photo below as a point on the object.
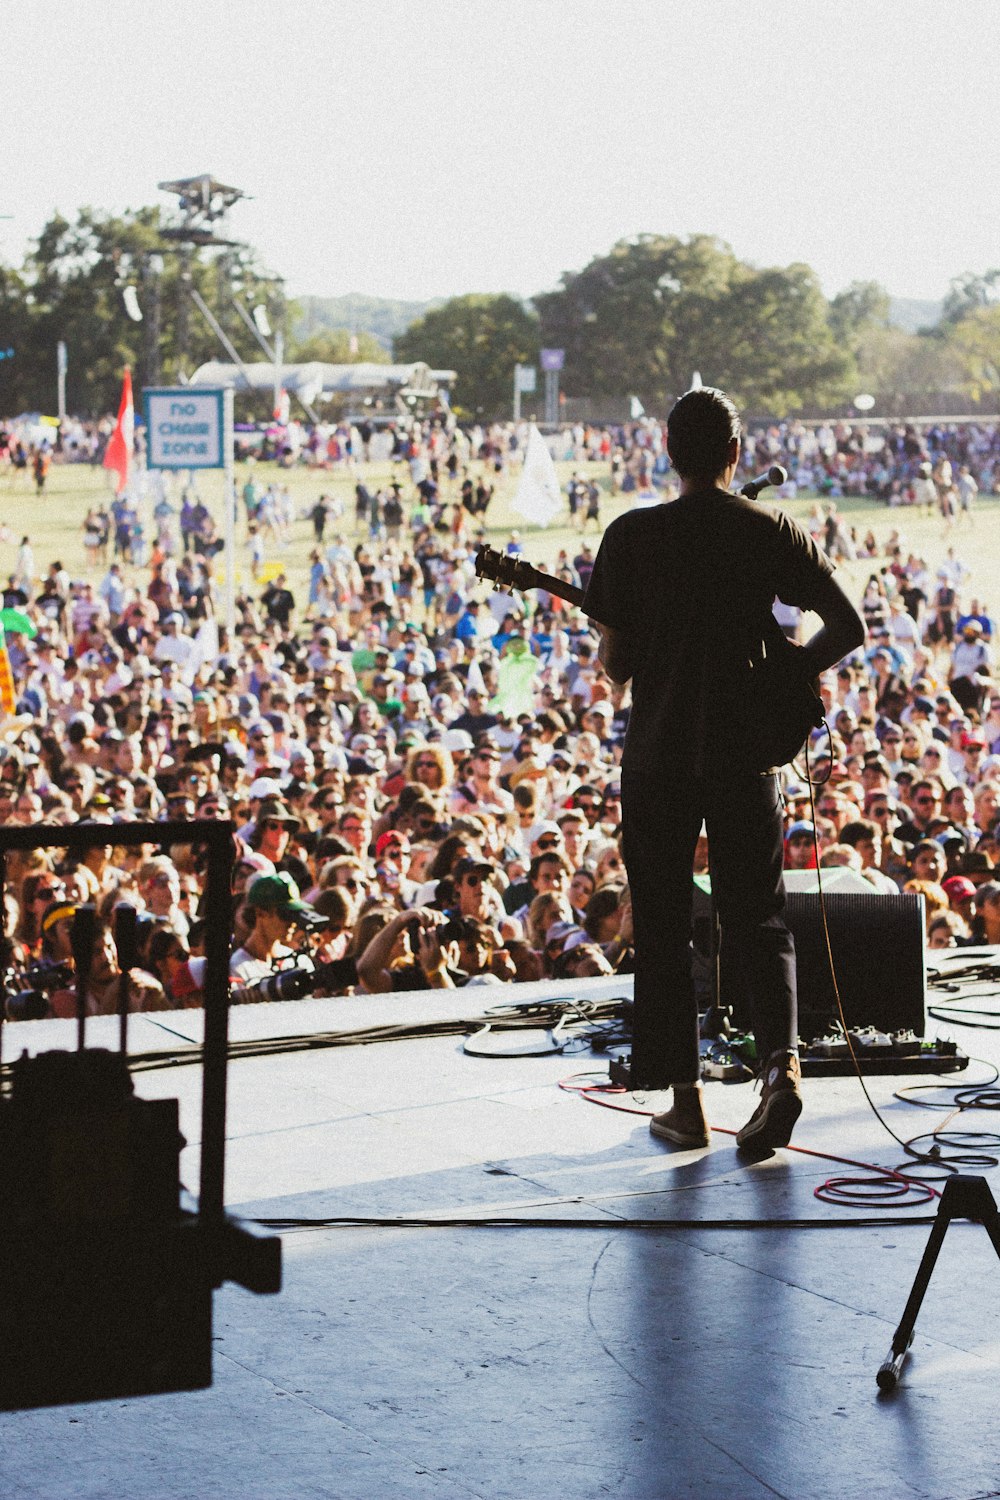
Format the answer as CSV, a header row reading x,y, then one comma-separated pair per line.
x,y
877,943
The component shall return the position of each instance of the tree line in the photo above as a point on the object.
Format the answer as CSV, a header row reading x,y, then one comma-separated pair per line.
x,y
637,321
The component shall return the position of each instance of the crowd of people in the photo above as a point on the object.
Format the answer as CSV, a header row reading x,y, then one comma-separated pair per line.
x,y
425,783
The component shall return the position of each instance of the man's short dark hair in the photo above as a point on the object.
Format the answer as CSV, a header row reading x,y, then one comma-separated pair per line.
x,y
859,831
700,428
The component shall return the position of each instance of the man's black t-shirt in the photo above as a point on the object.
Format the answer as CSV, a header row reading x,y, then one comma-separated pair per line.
x,y
690,585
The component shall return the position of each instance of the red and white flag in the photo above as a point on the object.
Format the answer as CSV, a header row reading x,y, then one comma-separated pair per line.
x,y
121,445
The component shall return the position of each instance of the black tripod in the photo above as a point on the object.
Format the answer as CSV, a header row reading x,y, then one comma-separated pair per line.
x,y
963,1198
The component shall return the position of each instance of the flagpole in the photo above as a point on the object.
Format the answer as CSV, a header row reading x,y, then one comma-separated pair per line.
x,y
229,525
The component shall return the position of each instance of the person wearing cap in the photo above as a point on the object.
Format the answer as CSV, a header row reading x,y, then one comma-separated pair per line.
x,y
261,787
973,748
961,895
800,848
563,937
381,683
977,866
177,648
971,666
477,718
689,751
273,827
272,906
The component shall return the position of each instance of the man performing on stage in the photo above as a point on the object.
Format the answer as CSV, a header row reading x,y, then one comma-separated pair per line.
x,y
681,593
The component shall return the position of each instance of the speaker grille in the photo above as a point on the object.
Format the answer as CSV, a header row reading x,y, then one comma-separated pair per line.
x,y
878,952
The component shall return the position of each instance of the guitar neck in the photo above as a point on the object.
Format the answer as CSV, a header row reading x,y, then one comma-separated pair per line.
x,y
513,573
540,580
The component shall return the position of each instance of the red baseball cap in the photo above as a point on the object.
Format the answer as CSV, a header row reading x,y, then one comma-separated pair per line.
x,y
393,836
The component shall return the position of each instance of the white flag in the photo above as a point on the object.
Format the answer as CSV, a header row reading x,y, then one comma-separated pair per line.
x,y
538,497
474,681
635,408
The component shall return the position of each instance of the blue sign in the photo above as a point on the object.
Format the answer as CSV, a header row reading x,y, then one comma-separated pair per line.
x,y
552,359
185,428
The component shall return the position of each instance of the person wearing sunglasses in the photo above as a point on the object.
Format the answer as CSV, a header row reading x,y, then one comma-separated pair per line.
x,y
474,896
431,766
480,791
40,889
924,801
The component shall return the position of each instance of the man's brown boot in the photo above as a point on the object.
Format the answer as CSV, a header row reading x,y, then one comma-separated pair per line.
x,y
773,1120
685,1123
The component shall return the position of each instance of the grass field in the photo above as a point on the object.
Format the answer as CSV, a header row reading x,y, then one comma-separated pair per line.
x,y
54,523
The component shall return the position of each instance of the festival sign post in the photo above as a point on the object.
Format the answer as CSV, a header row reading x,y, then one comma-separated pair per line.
x,y
552,361
192,428
525,382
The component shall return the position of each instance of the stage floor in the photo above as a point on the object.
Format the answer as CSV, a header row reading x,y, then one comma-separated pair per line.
x,y
541,1361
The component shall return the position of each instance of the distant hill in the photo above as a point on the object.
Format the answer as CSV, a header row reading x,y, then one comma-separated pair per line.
x,y
910,315
382,317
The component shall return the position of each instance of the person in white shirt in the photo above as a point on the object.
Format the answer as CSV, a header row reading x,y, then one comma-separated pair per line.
x,y
178,648
903,628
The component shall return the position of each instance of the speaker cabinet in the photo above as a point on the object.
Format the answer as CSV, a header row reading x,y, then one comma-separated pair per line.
x,y
877,942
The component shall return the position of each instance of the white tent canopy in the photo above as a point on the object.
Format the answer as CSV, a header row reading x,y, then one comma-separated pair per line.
x,y
315,379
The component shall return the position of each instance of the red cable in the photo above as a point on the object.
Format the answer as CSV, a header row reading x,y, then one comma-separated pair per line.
x,y
890,1188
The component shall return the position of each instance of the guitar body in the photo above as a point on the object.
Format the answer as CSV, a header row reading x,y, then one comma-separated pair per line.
x,y
781,705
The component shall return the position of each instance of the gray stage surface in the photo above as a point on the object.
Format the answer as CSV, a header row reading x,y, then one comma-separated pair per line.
x,y
540,1361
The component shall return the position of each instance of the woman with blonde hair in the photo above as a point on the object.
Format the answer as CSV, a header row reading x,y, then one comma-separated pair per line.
x,y
935,898
546,909
430,766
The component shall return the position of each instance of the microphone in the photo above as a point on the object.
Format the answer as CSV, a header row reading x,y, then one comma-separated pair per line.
x,y
775,475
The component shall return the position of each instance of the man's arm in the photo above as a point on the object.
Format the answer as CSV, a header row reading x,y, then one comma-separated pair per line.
x,y
843,629
374,973
613,653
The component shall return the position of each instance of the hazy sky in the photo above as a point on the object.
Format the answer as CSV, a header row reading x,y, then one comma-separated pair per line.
x,y
426,149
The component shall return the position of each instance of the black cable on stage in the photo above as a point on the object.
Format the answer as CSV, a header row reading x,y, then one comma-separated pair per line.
x,y
532,1016
505,1221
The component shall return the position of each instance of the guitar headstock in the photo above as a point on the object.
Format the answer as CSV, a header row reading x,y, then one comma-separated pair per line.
x,y
505,571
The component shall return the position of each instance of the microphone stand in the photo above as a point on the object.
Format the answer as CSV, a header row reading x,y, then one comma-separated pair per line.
x,y
962,1198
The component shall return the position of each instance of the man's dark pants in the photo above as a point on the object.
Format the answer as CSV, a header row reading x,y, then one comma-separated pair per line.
x,y
661,820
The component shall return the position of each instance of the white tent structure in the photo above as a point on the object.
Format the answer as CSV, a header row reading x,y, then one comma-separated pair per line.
x,y
394,385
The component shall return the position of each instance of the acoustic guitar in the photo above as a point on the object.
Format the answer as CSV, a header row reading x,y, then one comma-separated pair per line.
x,y
781,704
